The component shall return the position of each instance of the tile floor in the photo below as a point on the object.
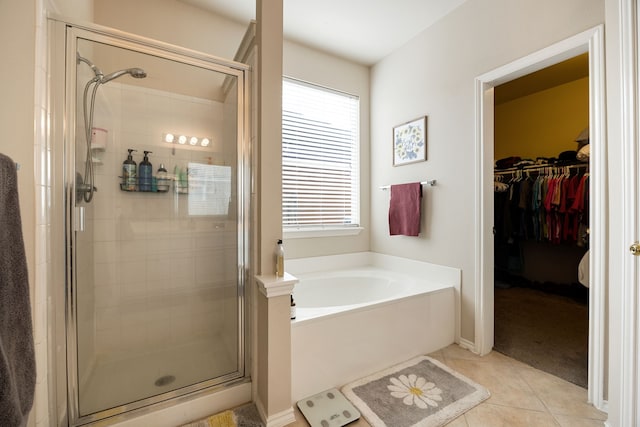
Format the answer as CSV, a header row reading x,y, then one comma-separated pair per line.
x,y
520,395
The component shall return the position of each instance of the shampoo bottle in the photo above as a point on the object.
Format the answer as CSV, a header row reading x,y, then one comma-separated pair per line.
x,y
183,180
162,172
145,173
163,181
176,179
280,259
129,173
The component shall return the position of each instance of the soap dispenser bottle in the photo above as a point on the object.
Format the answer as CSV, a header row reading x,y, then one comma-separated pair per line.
x,y
129,173
280,259
145,173
163,181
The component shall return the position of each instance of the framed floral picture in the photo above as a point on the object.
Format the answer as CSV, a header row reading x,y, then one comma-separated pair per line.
x,y
410,142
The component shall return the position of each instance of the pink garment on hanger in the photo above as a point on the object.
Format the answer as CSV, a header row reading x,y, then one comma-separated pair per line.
x,y
405,209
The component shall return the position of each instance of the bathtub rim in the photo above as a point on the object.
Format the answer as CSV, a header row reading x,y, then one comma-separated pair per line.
x,y
299,266
338,311
443,277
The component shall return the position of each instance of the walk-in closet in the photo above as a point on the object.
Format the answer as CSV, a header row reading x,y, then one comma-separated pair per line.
x,y
541,219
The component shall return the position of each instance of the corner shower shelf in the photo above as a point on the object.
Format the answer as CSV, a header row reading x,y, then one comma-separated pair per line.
x,y
163,186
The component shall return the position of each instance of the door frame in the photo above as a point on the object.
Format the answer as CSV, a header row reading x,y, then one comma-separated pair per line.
x,y
591,41
625,323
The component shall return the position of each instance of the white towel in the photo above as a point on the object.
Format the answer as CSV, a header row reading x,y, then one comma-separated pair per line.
x,y
583,270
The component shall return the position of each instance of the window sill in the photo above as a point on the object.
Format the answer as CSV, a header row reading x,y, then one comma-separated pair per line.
x,y
322,232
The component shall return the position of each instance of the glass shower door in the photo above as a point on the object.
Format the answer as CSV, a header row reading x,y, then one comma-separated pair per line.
x,y
157,288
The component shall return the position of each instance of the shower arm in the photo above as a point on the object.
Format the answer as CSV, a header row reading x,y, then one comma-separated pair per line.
x,y
98,73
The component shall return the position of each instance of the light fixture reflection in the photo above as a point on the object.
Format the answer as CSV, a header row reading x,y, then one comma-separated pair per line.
x,y
194,141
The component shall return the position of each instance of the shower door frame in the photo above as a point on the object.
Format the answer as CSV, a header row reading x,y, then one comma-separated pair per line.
x,y
64,45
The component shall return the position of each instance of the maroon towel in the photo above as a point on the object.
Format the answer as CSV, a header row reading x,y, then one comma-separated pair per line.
x,y
404,209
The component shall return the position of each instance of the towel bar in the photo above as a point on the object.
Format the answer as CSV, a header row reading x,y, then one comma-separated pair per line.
x,y
430,183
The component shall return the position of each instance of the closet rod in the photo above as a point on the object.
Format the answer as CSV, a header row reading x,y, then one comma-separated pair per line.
x,y
539,167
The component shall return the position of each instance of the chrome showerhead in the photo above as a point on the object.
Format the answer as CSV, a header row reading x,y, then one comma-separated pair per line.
x,y
86,188
138,73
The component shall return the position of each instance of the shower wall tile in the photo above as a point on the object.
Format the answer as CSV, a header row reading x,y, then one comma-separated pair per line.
x,y
41,155
104,230
105,273
108,340
40,300
171,245
107,296
42,211
105,251
130,230
42,250
160,267
134,339
104,207
157,334
132,250
180,327
132,273
107,318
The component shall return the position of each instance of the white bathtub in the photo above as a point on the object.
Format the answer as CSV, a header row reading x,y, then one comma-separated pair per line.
x,y
360,313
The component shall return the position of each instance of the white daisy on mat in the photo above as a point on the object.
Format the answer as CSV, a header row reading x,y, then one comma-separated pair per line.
x,y
414,390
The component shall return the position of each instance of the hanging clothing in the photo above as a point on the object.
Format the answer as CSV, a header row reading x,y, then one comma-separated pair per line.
x,y
552,208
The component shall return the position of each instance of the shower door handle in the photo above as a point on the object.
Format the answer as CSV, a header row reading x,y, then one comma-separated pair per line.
x,y
78,222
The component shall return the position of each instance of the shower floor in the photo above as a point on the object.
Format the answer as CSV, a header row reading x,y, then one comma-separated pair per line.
x,y
137,377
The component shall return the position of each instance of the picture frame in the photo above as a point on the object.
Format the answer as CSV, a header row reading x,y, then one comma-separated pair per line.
x,y
410,142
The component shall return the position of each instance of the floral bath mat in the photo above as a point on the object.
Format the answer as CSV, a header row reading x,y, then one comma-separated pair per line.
x,y
421,392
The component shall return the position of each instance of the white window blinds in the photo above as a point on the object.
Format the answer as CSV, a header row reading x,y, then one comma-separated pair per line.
x,y
320,150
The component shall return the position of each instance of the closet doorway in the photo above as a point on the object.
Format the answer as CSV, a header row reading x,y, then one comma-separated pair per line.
x,y
541,219
591,42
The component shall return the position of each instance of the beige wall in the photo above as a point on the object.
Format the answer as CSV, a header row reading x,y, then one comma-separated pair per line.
x,y
17,114
479,36
434,75
317,67
542,124
172,22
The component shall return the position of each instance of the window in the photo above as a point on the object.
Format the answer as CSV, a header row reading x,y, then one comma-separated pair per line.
x,y
209,189
320,155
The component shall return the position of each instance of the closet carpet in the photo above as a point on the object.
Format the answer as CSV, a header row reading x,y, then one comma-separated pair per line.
x,y
547,331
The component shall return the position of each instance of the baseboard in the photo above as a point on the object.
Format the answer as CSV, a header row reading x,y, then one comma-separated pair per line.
x,y
467,345
280,419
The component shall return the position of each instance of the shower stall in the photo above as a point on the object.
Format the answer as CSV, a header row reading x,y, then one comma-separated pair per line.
x,y
155,264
